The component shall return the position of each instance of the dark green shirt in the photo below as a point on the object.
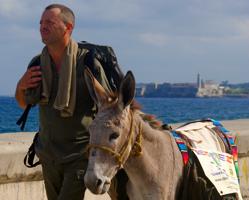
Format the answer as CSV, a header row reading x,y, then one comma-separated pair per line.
x,y
63,139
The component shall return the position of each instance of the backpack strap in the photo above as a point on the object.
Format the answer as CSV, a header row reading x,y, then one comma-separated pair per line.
x,y
29,157
22,120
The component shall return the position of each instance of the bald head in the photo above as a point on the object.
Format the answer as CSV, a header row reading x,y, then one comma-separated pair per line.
x,y
66,14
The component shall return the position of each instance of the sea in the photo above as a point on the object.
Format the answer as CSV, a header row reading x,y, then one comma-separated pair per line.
x,y
169,110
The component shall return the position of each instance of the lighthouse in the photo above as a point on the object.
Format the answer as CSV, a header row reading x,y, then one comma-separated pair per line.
x,y
198,81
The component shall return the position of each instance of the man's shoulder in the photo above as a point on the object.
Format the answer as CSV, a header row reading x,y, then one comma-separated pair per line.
x,y
35,61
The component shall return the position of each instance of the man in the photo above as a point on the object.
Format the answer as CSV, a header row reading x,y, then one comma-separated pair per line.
x,y
55,81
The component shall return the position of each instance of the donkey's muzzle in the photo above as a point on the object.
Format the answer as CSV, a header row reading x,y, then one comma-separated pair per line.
x,y
97,184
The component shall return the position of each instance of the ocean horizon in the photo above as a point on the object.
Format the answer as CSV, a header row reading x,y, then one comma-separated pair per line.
x,y
168,110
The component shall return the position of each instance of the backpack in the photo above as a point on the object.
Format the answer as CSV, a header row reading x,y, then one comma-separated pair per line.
x,y
107,58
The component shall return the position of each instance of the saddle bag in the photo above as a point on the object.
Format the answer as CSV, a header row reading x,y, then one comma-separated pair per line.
x,y
196,186
198,182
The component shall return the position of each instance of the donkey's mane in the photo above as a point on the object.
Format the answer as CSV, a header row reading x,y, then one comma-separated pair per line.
x,y
136,107
151,119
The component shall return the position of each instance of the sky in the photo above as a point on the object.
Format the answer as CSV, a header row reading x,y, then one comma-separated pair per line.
x,y
158,40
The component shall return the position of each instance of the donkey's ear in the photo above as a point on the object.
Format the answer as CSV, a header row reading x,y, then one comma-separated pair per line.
x,y
127,90
97,92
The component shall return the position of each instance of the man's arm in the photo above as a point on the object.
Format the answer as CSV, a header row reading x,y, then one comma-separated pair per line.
x,y
30,79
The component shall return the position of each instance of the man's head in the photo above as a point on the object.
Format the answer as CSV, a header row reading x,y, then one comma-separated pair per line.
x,y
56,24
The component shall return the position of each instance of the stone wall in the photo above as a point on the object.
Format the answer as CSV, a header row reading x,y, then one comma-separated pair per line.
x,y
18,182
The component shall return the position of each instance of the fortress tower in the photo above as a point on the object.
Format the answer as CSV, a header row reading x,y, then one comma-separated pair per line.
x,y
198,80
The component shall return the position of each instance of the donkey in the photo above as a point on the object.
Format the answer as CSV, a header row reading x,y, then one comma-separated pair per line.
x,y
120,138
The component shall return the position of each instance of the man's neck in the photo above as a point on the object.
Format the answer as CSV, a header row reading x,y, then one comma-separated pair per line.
x,y
56,51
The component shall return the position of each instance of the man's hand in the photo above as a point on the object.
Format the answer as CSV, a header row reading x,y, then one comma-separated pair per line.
x,y
31,78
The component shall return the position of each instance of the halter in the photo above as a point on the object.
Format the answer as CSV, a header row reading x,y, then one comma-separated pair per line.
x,y
120,156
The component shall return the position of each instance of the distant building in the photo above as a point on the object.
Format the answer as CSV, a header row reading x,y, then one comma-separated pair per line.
x,y
143,89
209,89
167,90
200,88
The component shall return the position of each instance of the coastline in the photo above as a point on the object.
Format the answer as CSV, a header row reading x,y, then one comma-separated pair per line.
x,y
14,176
168,110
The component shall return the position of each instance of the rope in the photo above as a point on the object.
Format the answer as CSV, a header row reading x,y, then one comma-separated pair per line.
x,y
106,149
137,147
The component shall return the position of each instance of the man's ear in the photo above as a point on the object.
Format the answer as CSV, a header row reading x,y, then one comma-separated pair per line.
x,y
127,90
97,92
69,27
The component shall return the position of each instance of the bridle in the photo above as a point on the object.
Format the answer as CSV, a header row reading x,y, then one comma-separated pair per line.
x,y
121,155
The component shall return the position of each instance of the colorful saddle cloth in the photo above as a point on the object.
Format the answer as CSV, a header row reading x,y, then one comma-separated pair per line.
x,y
205,137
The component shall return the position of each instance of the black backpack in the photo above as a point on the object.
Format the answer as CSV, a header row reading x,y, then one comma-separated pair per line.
x,y
107,58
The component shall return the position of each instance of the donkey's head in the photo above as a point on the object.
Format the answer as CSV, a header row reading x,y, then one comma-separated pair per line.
x,y
110,132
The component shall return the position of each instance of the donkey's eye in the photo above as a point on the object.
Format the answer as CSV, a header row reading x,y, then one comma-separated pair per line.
x,y
113,136
93,153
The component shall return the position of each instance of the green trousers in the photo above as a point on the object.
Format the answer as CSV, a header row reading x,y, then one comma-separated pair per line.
x,y
66,181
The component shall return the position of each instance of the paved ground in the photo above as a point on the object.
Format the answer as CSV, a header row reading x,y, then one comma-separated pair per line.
x,y
90,196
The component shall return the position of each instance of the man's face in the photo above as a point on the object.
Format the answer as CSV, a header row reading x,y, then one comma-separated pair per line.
x,y
52,28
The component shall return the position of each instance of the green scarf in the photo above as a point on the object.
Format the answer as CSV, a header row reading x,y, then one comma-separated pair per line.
x,y
66,95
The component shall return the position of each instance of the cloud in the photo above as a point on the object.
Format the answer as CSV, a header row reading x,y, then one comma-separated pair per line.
x,y
14,9
242,27
110,10
171,36
154,39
